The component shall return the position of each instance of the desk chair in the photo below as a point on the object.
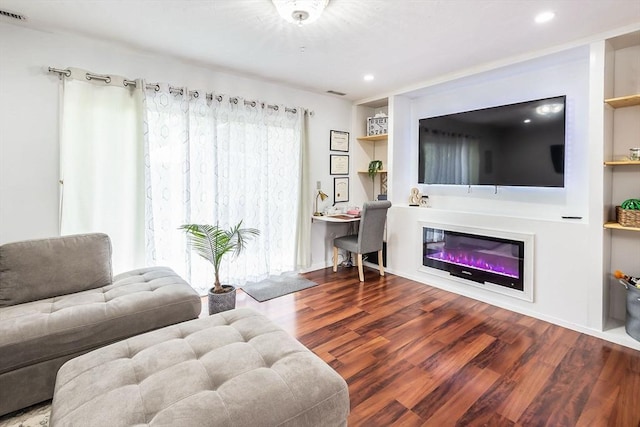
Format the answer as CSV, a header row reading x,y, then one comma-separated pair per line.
x,y
369,237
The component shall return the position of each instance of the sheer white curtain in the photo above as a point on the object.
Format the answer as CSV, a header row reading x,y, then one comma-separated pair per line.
x,y
303,228
218,162
450,158
101,150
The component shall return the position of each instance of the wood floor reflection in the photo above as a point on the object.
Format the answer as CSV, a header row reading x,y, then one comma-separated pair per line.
x,y
414,355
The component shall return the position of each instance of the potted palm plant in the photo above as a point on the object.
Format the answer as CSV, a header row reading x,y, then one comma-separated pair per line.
x,y
212,243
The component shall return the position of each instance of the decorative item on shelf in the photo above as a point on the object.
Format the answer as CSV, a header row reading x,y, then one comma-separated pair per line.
x,y
415,197
212,243
321,195
634,153
627,280
377,125
628,213
424,201
632,321
383,183
375,166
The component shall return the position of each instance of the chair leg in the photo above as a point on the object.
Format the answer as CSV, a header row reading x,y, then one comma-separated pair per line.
x,y
335,259
360,270
380,263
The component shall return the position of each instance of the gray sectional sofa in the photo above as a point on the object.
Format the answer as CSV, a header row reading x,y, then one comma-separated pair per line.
x,y
58,300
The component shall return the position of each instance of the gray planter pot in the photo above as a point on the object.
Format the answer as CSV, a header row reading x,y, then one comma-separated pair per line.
x,y
632,324
222,302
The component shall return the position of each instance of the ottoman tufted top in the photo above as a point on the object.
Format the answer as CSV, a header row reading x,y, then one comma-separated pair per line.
x,y
235,368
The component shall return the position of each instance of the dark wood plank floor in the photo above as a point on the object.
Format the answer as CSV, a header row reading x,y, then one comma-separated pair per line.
x,y
414,355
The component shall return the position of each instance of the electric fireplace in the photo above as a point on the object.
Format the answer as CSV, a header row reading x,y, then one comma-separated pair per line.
x,y
475,257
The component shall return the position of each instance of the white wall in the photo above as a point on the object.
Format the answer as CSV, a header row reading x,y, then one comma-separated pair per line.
x,y
29,119
568,253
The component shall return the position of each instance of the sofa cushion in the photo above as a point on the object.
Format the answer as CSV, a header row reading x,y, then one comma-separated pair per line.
x,y
136,302
235,368
35,269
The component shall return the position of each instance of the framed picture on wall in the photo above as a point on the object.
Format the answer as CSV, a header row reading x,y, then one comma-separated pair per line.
x,y
338,164
338,141
340,189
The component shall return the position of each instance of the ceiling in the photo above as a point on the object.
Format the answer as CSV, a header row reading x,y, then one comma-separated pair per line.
x,y
401,42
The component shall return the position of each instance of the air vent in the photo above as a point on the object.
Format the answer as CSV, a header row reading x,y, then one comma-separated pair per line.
x,y
335,92
13,15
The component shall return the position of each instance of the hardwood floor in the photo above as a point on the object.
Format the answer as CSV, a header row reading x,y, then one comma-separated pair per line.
x,y
414,355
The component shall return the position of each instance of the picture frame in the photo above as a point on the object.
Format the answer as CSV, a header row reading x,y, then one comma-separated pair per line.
x,y
338,141
338,164
340,189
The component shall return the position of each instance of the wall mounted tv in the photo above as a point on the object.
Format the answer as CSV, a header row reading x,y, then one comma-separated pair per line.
x,y
510,145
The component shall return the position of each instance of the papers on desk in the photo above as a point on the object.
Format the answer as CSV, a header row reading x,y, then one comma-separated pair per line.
x,y
344,216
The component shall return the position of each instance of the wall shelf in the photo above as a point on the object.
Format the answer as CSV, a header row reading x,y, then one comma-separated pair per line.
x,y
367,172
616,226
622,163
380,137
624,101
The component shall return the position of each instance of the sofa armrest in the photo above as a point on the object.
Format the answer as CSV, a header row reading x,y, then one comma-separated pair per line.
x,y
35,269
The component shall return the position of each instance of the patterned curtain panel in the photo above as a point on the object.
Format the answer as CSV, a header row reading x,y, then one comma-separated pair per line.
x,y
219,162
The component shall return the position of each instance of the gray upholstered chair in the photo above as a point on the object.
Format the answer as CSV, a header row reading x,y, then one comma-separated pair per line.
x,y
369,238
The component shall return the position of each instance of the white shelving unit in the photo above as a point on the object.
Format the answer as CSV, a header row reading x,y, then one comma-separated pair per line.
x,y
379,145
371,147
621,176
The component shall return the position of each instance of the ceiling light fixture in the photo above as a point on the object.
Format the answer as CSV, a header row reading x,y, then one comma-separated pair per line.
x,y
301,12
543,17
368,77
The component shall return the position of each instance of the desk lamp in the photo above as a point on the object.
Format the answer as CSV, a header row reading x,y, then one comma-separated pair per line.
x,y
322,195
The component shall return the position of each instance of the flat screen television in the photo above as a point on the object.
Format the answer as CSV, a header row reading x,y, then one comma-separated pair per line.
x,y
510,145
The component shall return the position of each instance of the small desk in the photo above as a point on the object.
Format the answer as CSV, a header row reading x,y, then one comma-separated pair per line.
x,y
341,219
344,219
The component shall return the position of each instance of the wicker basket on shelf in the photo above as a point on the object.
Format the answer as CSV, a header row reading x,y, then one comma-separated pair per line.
x,y
628,217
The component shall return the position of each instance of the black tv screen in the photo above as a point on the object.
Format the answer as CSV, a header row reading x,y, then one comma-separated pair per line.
x,y
510,145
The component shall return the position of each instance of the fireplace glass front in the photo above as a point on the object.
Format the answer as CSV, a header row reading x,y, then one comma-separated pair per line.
x,y
475,257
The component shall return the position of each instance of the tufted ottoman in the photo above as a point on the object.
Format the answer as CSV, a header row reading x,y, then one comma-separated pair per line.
x,y
235,368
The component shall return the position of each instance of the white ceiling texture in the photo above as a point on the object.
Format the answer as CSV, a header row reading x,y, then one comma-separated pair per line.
x,y
403,43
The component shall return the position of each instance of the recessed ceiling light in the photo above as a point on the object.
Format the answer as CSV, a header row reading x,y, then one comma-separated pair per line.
x,y
368,77
527,120
543,17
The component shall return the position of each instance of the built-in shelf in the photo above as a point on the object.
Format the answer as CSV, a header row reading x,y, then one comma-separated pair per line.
x,y
622,162
624,101
380,137
380,171
616,226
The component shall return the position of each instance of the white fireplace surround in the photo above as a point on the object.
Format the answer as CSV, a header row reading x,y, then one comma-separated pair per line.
x,y
527,238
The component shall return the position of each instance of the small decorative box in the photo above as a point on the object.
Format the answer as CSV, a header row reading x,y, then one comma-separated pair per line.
x,y
377,125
